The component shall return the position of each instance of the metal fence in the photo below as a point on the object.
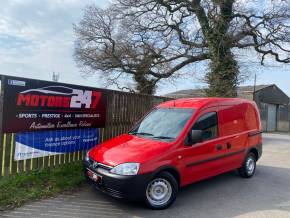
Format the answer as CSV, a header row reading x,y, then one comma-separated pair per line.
x,y
123,110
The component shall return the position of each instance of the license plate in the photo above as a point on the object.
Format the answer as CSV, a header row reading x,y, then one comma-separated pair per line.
x,y
93,176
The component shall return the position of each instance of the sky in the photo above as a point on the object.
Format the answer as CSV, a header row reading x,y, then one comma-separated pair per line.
x,y
37,39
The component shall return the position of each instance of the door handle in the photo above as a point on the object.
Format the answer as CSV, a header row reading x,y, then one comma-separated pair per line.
x,y
219,147
229,145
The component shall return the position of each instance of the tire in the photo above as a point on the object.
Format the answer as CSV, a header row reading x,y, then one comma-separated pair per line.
x,y
155,193
249,166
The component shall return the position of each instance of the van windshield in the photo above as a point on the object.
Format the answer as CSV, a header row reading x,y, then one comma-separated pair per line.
x,y
163,123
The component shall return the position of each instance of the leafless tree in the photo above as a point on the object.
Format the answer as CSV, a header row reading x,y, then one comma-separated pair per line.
x,y
156,39
115,45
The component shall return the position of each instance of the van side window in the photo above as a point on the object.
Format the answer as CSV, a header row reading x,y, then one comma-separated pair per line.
x,y
209,124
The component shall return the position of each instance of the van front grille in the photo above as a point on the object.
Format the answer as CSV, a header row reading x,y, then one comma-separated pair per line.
x,y
95,165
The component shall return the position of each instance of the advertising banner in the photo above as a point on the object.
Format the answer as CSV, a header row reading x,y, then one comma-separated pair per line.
x,y
38,144
32,105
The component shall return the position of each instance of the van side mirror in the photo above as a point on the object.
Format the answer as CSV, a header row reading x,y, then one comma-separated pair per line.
x,y
194,136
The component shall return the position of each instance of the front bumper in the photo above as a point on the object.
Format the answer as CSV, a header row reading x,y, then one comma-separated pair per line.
x,y
118,186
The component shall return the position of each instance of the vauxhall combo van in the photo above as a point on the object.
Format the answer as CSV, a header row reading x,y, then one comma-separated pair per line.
x,y
178,143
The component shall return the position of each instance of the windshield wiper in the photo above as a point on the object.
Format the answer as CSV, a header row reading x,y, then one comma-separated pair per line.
x,y
141,133
163,137
149,134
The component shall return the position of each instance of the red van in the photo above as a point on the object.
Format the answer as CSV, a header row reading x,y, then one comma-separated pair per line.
x,y
179,142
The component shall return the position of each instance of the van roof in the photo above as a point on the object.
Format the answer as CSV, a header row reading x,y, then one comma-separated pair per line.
x,y
202,102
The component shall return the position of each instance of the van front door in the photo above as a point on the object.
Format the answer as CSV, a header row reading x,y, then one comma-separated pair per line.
x,y
202,159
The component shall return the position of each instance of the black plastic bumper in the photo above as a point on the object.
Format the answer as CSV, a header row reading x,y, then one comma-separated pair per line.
x,y
118,186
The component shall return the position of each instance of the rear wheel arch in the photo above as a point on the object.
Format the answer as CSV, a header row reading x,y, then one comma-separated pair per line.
x,y
255,152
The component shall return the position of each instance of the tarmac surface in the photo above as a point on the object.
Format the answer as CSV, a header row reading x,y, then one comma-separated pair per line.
x,y
267,194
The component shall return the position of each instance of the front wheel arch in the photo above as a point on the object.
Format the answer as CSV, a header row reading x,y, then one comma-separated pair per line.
x,y
170,169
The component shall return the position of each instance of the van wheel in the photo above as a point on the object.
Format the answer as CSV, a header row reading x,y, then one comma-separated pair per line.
x,y
161,191
249,166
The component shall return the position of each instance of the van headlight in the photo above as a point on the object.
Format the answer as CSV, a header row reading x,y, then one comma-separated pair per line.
x,y
126,169
87,158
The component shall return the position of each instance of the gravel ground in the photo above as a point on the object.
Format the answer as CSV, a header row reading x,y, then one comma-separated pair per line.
x,y
267,194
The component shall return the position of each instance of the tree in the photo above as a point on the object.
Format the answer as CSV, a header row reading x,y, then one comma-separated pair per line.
x,y
111,44
190,31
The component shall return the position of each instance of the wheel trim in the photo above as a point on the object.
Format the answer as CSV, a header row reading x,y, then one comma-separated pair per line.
x,y
250,166
158,192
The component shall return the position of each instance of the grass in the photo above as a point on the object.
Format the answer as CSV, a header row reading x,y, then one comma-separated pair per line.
x,y
18,189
